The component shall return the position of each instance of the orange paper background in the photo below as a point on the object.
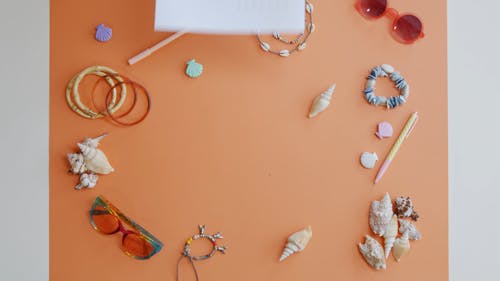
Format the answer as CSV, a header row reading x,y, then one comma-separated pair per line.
x,y
233,149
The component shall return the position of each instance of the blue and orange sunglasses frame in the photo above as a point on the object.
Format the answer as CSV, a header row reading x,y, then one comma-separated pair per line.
x,y
143,233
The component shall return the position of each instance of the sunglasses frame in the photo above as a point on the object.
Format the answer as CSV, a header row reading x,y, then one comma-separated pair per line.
x,y
394,15
139,230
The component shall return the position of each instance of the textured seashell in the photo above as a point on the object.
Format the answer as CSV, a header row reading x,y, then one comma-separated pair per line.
x,y
387,68
88,181
276,35
408,229
103,33
284,53
297,242
390,235
95,160
385,130
401,247
404,208
77,163
321,102
373,253
194,69
265,46
309,7
312,27
302,46
368,160
381,215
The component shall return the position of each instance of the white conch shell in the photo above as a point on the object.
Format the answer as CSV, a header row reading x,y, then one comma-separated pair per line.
x,y
297,242
373,253
88,181
390,235
407,228
401,247
321,102
77,163
381,215
95,159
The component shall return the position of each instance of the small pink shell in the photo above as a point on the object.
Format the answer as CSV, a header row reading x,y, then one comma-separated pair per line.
x,y
103,33
384,130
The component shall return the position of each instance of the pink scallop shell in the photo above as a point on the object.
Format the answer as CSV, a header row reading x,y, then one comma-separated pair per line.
x,y
384,130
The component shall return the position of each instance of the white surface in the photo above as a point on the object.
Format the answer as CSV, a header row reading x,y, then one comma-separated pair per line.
x,y
230,16
24,173
474,64
474,138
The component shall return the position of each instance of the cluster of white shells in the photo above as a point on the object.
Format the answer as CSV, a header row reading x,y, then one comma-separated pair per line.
x,y
89,162
384,223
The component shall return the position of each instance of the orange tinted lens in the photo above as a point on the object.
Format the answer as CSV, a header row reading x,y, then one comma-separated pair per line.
x,y
104,221
137,246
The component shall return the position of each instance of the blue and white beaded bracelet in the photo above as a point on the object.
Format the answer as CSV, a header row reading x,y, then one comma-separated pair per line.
x,y
399,82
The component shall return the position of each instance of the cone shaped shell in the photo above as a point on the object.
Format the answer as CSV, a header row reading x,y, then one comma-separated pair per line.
x,y
321,102
390,235
297,242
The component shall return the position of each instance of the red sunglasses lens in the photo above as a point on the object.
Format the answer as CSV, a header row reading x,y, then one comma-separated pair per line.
x,y
104,221
372,8
137,246
407,28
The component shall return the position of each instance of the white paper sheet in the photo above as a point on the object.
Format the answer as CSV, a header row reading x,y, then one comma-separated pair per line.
x,y
230,16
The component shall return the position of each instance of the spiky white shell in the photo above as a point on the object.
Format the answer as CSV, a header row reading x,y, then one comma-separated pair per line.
x,y
390,235
409,229
94,142
297,242
373,253
381,215
95,160
401,247
321,102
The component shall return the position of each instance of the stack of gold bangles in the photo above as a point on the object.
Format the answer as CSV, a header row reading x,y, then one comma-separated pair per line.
x,y
114,99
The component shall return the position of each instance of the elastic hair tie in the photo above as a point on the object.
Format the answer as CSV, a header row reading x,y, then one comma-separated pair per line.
x,y
399,83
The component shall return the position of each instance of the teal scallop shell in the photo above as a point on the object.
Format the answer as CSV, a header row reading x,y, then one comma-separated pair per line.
x,y
194,69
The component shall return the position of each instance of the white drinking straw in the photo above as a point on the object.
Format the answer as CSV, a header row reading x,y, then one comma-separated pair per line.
x,y
155,48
